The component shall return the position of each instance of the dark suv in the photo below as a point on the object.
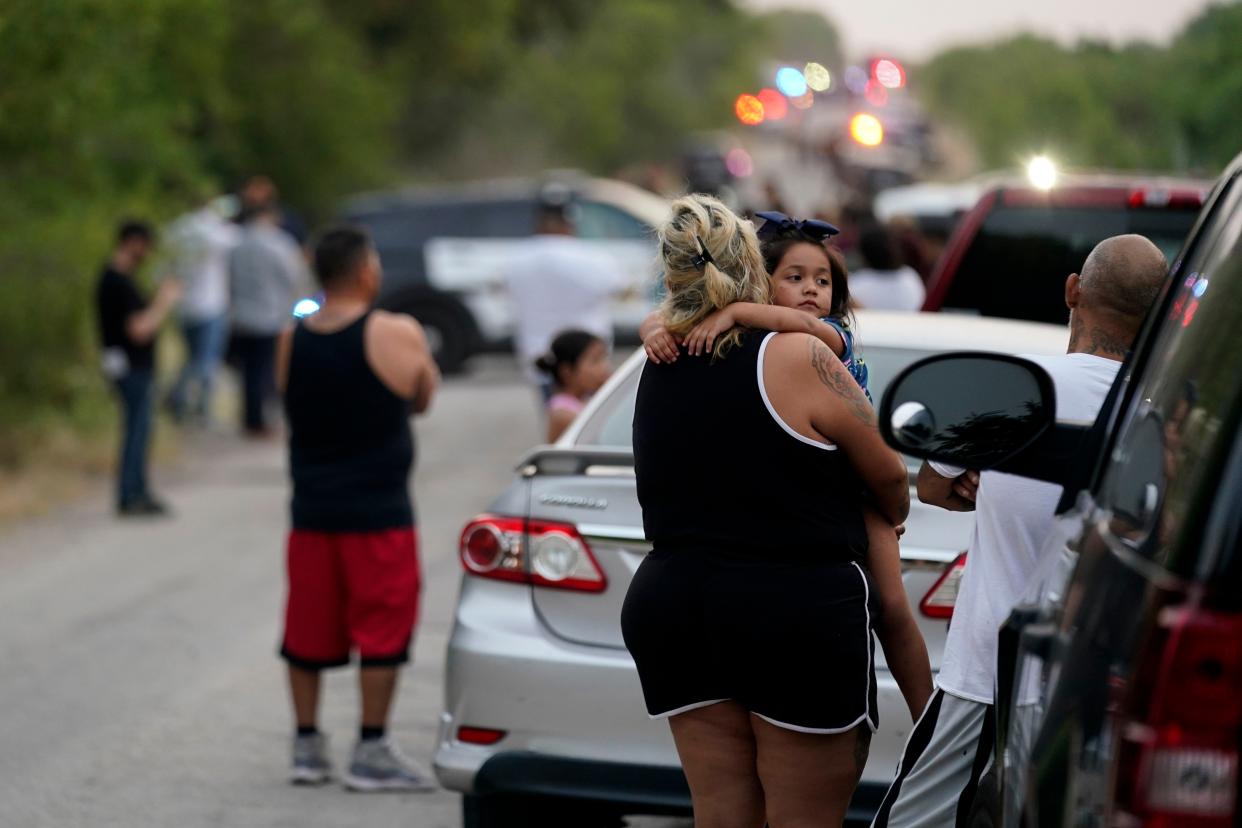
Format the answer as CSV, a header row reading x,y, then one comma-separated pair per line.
x,y
1119,698
1009,255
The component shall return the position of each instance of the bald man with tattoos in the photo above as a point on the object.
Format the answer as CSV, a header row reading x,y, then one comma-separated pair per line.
x,y
950,747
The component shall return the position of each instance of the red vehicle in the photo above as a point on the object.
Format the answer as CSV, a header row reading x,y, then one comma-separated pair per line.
x,y
1010,254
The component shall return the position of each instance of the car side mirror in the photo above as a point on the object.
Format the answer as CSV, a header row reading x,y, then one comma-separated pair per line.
x,y
974,410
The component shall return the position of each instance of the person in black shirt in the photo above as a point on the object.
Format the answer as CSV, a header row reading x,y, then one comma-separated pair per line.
x,y
351,377
128,325
750,621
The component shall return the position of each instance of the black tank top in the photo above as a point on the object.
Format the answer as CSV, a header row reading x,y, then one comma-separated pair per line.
x,y
350,443
717,471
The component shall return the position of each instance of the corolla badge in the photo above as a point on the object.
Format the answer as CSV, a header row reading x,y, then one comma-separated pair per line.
x,y
573,501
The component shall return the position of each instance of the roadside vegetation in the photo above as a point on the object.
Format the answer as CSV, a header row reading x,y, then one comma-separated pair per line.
x,y
1136,106
137,107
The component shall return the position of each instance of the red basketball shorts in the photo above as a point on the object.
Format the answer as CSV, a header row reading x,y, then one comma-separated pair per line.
x,y
351,591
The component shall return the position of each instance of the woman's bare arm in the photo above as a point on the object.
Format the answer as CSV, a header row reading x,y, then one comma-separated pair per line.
x,y
558,420
904,647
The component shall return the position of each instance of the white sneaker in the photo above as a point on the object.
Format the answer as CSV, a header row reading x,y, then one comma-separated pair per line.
x,y
379,765
310,760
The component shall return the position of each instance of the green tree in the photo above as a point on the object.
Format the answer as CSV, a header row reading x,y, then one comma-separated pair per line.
x,y
1094,104
629,82
127,107
1206,70
801,37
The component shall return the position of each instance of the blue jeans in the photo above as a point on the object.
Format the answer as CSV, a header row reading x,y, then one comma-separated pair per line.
x,y
204,340
135,391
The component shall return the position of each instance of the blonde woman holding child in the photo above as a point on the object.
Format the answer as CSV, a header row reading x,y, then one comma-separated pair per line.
x,y
771,502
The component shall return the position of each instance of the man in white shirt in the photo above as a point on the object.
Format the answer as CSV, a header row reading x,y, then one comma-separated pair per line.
x,y
200,243
950,746
558,282
267,272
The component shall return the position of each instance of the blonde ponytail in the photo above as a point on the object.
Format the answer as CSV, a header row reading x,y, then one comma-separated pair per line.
x,y
711,259
721,291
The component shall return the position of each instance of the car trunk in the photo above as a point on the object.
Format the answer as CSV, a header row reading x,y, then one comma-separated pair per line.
x,y
602,504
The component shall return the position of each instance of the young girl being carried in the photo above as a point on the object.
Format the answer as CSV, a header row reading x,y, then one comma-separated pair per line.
x,y
810,294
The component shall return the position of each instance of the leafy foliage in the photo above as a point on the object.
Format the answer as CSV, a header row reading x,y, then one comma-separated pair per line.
x,y
135,107
1136,106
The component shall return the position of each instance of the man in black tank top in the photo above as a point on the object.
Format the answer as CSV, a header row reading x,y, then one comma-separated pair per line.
x,y
351,378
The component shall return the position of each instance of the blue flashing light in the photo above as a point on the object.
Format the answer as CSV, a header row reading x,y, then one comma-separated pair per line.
x,y
791,82
1201,288
305,307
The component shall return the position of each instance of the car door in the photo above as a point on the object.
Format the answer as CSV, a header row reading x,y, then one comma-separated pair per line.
x,y
1130,550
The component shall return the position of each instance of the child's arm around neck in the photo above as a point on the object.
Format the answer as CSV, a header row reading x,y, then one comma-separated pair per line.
x,y
764,317
788,320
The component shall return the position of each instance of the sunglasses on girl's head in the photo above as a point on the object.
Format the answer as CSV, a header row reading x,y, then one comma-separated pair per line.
x,y
775,224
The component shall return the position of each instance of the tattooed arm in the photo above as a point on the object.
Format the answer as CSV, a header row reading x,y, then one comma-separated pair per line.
x,y
842,414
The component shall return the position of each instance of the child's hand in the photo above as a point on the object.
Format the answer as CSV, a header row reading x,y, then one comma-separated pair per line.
x,y
661,346
703,337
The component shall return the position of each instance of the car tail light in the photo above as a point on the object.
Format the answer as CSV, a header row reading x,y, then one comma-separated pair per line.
x,y
1173,199
1178,762
940,599
479,735
535,552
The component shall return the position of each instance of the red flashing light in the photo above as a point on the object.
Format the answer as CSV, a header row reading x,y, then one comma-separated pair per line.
x,y
888,73
775,106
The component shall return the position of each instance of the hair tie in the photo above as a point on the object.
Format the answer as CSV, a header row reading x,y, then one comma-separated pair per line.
x,y
704,258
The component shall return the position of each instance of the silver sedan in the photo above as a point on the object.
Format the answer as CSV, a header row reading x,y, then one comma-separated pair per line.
x,y
543,721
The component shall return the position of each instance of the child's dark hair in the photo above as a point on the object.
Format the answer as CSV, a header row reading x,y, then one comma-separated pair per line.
x,y
565,351
774,250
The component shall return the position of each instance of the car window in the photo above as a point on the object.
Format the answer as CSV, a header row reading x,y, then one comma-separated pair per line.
x,y
612,424
502,219
603,221
1229,567
1017,263
1166,462
399,236
884,363
401,233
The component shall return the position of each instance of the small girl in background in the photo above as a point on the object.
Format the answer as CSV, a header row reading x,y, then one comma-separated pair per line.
x,y
810,294
577,364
